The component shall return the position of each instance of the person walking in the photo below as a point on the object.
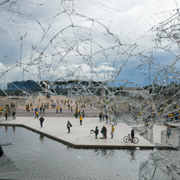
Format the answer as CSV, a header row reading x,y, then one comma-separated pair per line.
x,y
96,132
36,115
41,119
112,132
80,119
69,125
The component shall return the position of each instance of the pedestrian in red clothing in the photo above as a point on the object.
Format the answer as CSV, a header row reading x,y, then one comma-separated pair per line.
x,y
6,115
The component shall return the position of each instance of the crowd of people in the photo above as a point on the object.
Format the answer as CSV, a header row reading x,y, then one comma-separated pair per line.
x,y
104,132
8,111
40,110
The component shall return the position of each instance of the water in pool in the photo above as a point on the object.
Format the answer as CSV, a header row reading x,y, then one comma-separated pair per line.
x,y
39,157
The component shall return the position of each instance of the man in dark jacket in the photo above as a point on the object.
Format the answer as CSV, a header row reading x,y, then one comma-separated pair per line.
x,y
41,119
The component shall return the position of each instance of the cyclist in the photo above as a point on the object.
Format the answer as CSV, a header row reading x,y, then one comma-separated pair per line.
x,y
132,135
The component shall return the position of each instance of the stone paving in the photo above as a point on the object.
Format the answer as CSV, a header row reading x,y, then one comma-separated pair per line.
x,y
55,127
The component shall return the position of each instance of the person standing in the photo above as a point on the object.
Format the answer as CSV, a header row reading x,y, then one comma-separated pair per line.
x,y
83,113
43,110
41,119
106,118
69,126
80,119
100,116
13,115
76,114
6,115
168,131
96,132
112,132
132,135
104,132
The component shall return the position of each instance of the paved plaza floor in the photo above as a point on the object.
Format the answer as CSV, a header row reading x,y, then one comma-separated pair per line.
x,y
56,128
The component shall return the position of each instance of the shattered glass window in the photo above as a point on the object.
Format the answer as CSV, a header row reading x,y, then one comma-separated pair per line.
x,y
121,57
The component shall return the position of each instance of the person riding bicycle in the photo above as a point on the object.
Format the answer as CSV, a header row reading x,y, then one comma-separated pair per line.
x,y
132,135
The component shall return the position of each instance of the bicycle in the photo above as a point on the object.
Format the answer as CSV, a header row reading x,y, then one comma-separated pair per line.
x,y
128,138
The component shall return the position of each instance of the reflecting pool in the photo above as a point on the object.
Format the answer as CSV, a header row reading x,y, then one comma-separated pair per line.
x,y
39,157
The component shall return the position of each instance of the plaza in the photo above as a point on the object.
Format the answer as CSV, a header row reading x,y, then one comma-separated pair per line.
x,y
80,135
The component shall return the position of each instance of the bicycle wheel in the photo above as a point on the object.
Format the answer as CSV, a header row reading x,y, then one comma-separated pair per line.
x,y
135,140
126,139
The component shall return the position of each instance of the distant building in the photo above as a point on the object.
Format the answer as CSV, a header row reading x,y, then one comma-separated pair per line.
x,y
134,91
25,85
103,91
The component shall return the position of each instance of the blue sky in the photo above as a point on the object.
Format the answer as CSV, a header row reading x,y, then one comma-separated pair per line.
x,y
89,40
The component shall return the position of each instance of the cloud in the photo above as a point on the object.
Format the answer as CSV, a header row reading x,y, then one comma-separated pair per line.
x,y
82,71
2,67
89,39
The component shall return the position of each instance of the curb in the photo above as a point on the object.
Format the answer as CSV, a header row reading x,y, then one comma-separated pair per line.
x,y
81,146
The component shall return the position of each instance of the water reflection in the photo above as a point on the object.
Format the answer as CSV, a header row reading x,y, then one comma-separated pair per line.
x,y
69,148
13,128
104,152
6,128
41,137
133,155
96,163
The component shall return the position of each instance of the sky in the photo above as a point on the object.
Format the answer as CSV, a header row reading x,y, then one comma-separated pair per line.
x,y
124,42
